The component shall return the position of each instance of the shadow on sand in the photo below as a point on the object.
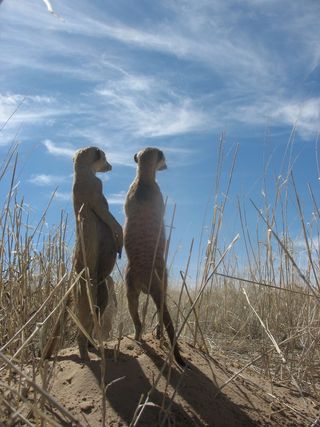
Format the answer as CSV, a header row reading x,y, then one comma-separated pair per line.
x,y
195,403
199,392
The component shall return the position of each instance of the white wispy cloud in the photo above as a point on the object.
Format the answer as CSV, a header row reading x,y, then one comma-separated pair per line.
x,y
117,198
28,111
58,150
305,115
44,180
63,196
12,105
148,107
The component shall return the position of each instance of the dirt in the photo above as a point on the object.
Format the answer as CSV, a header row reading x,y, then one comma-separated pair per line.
x,y
246,401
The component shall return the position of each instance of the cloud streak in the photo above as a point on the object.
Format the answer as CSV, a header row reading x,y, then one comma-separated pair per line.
x,y
44,180
148,108
63,196
58,150
117,198
26,108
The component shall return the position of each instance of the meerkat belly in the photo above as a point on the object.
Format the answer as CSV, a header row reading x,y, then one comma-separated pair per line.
x,y
87,242
144,240
107,251
97,241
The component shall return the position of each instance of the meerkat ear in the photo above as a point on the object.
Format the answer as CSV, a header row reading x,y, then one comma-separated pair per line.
x,y
135,158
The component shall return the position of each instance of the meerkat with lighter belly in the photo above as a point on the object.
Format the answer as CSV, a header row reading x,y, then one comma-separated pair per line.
x,y
99,238
144,241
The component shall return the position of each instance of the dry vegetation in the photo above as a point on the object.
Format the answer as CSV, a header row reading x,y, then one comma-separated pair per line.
x,y
267,323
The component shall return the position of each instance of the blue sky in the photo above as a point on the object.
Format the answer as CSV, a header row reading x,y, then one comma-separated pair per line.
x,y
172,74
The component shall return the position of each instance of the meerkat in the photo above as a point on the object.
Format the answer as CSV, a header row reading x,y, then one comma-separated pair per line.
x,y
99,238
144,242
101,233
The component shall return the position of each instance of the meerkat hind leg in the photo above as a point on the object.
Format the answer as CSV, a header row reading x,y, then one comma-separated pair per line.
x,y
101,304
159,327
102,297
133,293
163,287
133,303
167,322
85,318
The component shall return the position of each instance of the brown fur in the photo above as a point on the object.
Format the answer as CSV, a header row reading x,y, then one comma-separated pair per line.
x,y
100,234
144,241
110,311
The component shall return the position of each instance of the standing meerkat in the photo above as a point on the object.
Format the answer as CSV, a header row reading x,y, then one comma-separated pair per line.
x,y
98,238
144,241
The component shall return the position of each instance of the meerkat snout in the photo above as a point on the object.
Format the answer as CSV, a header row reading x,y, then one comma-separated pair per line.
x,y
162,165
101,164
106,167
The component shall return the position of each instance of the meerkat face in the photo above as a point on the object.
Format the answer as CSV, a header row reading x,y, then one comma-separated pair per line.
x,y
93,158
152,156
162,165
101,164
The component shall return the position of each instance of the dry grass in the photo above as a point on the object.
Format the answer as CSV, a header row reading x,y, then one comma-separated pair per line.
x,y
265,313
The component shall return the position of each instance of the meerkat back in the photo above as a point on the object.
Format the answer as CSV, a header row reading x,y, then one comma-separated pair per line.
x,y
144,207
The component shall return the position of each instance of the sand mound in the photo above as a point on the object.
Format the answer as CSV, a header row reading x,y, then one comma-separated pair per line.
x,y
247,401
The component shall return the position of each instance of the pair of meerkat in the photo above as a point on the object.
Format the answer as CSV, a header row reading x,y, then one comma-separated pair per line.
x,y
99,238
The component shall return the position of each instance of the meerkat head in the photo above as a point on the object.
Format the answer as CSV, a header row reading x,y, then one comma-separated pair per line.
x,y
152,157
93,158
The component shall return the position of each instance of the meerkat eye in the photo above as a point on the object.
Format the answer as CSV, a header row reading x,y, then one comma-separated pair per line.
x,y
97,155
160,156
135,158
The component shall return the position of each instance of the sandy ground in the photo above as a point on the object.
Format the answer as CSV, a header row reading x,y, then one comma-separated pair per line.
x,y
246,401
